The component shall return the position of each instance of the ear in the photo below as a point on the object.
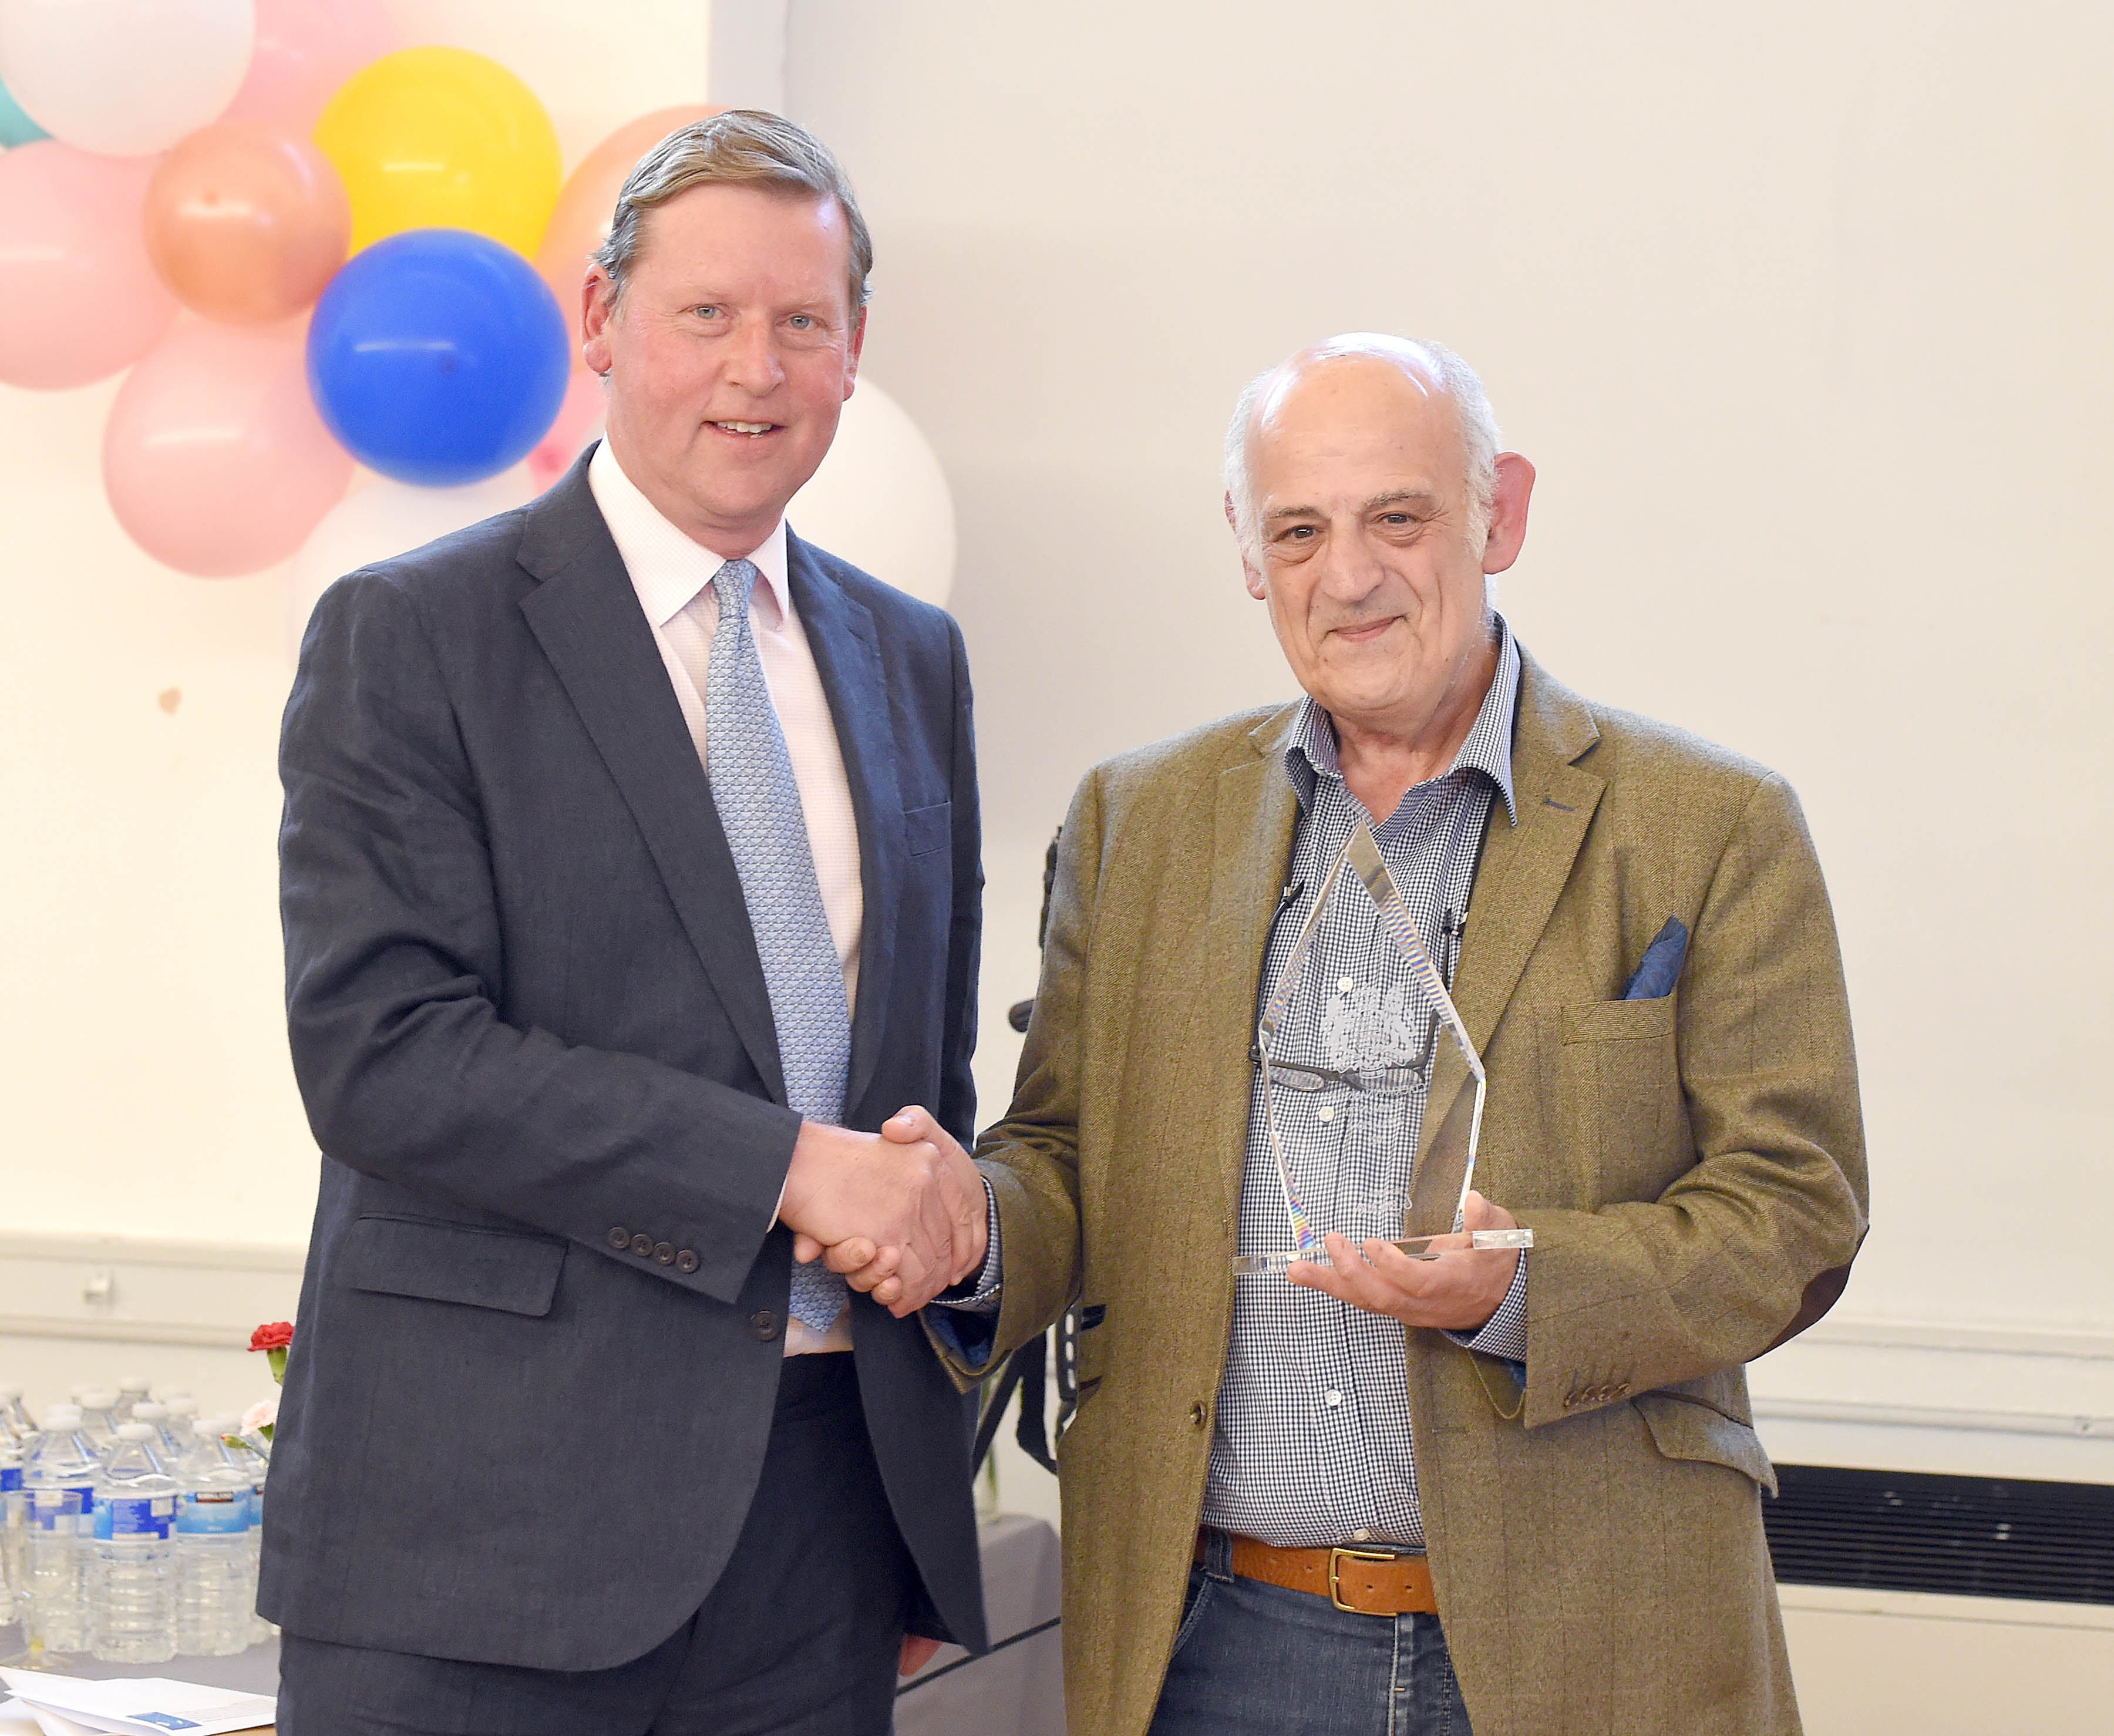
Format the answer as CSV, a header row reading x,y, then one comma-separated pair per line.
x,y
598,311
1256,589
1508,512
852,351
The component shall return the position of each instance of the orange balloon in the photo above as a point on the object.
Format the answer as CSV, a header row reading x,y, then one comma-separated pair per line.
x,y
246,223
579,223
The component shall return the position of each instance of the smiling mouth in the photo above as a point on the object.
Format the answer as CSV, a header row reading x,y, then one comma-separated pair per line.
x,y
748,430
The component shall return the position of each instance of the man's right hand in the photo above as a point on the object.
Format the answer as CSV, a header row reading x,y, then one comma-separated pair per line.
x,y
920,1201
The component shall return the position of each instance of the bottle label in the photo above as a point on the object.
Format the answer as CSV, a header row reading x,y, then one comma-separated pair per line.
x,y
210,1512
10,1478
58,1509
134,1516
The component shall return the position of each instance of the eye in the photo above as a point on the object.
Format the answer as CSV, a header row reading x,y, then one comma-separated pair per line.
x,y
802,322
707,310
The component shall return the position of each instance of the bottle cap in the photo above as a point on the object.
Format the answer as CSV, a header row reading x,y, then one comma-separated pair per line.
x,y
133,1382
62,1416
180,1404
148,1411
98,1398
135,1431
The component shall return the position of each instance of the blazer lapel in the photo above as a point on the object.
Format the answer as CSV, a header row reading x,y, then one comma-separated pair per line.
x,y
847,649
586,618
1253,819
1522,873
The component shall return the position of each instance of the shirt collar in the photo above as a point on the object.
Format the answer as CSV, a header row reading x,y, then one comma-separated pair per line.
x,y
1310,753
667,568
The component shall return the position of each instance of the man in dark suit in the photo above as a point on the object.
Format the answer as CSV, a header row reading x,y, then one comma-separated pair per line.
x,y
630,870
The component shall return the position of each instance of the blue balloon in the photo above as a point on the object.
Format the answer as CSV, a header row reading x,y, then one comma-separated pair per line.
x,y
437,357
16,127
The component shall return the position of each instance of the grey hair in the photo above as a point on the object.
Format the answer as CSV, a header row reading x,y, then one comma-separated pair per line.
x,y
742,146
1478,427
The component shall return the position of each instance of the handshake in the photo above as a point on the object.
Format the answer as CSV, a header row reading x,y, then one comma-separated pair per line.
x,y
900,1213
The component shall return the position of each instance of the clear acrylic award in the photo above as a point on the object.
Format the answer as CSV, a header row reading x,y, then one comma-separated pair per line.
x,y
1438,1199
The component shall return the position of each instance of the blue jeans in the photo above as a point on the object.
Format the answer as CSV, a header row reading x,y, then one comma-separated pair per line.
x,y
1255,1658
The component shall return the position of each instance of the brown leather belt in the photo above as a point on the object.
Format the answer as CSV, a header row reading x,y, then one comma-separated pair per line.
x,y
1365,1582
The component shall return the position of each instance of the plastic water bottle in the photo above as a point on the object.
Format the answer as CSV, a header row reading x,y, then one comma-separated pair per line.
x,y
215,1589
59,1478
171,1441
131,1388
132,1595
98,1405
14,1566
13,1415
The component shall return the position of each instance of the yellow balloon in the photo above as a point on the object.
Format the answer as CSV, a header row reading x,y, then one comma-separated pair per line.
x,y
442,138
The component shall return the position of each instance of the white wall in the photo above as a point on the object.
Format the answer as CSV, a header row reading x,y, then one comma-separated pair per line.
x,y
1800,308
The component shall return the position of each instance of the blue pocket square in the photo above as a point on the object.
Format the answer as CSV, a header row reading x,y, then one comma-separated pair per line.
x,y
1661,968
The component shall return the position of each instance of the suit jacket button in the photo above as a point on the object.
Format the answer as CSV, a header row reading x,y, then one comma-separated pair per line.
x,y
1622,1391
763,1326
642,1245
1196,1414
1571,1401
686,1262
619,1238
663,1253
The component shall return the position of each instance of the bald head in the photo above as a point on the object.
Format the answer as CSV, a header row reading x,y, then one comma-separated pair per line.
x,y
1428,378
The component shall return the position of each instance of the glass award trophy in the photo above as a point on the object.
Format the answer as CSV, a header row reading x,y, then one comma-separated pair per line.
x,y
1439,1193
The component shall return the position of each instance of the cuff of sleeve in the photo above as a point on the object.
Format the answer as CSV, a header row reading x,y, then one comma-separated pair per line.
x,y
1504,1334
980,1295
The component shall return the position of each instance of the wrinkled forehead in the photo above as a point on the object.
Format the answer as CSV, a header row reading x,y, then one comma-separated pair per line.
x,y
1335,401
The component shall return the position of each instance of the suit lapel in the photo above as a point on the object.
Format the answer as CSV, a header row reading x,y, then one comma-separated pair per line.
x,y
1254,816
586,618
1523,871
847,650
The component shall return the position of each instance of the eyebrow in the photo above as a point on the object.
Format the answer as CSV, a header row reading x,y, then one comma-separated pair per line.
x,y
1377,503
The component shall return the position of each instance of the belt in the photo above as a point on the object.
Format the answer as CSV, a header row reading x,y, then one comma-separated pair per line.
x,y
1365,1582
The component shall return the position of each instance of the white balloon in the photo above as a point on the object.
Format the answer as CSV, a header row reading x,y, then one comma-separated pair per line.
x,y
386,518
124,77
880,500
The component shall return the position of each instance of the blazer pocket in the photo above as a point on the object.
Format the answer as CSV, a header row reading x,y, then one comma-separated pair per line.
x,y
1618,1021
1681,1428
515,1272
926,830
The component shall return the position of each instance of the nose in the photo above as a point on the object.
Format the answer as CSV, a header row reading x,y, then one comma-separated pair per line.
x,y
752,363
1350,570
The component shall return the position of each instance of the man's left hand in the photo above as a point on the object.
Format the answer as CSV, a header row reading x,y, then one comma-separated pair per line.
x,y
917,1653
1458,1292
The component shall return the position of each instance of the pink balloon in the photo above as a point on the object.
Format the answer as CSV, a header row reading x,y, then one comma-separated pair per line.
x,y
79,299
579,420
214,458
305,49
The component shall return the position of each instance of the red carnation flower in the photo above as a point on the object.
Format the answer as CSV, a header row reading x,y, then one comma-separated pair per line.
x,y
275,1336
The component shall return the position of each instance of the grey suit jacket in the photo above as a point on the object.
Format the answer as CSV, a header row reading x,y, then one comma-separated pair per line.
x,y
540,1330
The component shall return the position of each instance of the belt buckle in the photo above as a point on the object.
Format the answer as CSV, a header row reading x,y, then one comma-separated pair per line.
x,y
1337,1558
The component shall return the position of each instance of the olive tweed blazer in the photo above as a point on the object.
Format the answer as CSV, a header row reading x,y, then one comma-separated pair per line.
x,y
1690,1165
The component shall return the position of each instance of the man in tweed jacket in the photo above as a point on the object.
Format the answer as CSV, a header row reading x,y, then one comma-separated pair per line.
x,y
1394,1495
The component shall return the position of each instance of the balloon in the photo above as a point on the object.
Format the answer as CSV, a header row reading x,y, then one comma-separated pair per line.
x,y
124,77
579,420
441,138
437,357
305,49
214,458
78,299
15,127
245,224
382,519
880,499
579,222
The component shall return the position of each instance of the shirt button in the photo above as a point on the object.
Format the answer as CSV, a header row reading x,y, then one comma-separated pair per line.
x,y
1344,985
1327,1111
1196,1414
1332,1397
1361,1537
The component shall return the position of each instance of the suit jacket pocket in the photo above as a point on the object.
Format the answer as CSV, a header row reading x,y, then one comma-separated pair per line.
x,y
1681,1428
926,830
1614,1021
439,1261
1625,1124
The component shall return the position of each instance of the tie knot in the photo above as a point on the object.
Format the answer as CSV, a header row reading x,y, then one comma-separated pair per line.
x,y
735,583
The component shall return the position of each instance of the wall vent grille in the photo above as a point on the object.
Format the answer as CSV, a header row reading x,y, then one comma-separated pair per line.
x,y
1970,1536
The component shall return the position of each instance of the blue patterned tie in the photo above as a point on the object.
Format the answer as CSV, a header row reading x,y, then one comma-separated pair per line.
x,y
759,807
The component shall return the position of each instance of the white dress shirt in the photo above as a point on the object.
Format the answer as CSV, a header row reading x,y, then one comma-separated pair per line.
x,y
673,577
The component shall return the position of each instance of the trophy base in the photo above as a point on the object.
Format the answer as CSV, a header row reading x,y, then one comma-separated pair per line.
x,y
1417,1248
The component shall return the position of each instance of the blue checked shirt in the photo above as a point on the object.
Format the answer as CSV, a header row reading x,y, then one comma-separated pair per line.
x,y
1312,1447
